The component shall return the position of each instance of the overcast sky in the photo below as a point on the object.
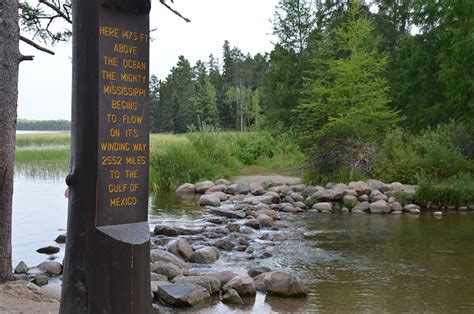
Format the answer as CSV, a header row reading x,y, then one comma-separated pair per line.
x,y
45,83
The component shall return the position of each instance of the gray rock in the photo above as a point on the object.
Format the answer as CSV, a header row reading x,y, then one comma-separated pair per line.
x,y
225,244
364,198
40,280
358,211
157,255
17,277
323,206
360,187
297,197
271,213
157,277
410,207
208,282
363,206
233,227
415,211
253,223
376,195
237,189
169,270
396,186
232,297
324,195
280,284
186,188
265,221
438,214
165,230
49,250
202,187
379,207
254,200
278,237
182,295
180,248
217,188
228,213
61,239
224,276
339,190
222,181
255,271
345,210
221,195
243,285
51,268
217,220
275,197
375,184
21,268
205,255
350,201
310,190
209,200
396,212
289,199
396,206
256,188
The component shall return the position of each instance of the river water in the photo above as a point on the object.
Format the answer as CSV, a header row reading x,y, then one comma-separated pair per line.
x,y
350,263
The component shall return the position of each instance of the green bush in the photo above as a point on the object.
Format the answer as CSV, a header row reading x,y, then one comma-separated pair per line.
x,y
401,197
408,158
457,191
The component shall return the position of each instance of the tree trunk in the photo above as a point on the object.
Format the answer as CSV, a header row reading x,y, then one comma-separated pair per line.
x,y
9,60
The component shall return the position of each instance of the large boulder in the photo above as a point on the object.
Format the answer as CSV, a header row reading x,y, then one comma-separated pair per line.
x,y
51,268
165,230
225,244
180,248
209,282
244,286
202,187
363,206
379,207
205,255
324,195
280,284
350,201
275,197
21,268
360,187
375,184
166,269
157,255
228,213
323,206
209,200
224,276
186,188
237,189
217,188
338,190
182,295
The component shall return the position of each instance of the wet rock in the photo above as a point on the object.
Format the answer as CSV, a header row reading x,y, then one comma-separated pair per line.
x,y
396,206
415,211
205,255
297,197
21,268
280,284
157,277
203,186
396,186
51,268
396,212
254,200
379,207
278,237
345,210
438,214
376,195
186,188
250,250
17,277
289,199
363,206
364,198
225,244
244,286
188,231
256,188
208,282
232,297
217,220
300,205
410,207
40,280
255,271
209,200
228,213
252,223
233,227
338,190
217,188
265,221
165,230
182,295
358,211
180,248
224,276
325,206
157,255
222,181
166,269
299,188
61,239
275,197
49,250
288,208
154,284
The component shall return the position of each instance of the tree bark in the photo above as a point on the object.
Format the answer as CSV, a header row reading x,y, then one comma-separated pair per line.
x,y
9,61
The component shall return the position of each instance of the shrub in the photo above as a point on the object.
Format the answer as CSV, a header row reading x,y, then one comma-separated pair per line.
x,y
457,191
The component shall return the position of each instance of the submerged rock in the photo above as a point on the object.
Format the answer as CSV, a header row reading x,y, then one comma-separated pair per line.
x,y
61,239
255,271
280,284
48,250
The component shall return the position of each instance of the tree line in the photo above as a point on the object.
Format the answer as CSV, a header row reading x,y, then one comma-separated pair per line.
x,y
43,125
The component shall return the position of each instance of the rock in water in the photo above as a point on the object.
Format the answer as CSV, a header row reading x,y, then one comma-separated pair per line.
x,y
202,187
224,276
160,255
21,268
51,268
180,248
40,280
166,269
210,200
186,188
61,238
205,255
244,286
254,272
379,207
280,284
182,295
232,297
48,250
208,282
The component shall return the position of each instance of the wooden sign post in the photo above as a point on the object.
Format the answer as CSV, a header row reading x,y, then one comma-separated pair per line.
x,y
107,262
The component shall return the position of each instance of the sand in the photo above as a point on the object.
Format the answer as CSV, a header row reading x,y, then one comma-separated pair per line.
x,y
25,298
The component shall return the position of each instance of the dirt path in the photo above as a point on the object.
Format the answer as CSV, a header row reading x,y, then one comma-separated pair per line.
x,y
274,178
24,298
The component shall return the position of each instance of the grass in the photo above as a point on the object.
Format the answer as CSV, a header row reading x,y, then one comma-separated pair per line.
x,y
456,191
42,140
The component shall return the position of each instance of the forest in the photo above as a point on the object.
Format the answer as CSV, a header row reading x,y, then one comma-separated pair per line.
x,y
366,88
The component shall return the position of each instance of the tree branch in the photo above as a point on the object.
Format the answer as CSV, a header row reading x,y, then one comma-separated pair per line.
x,y
35,45
163,2
56,9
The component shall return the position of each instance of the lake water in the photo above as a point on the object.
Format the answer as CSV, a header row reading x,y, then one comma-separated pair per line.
x,y
351,263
